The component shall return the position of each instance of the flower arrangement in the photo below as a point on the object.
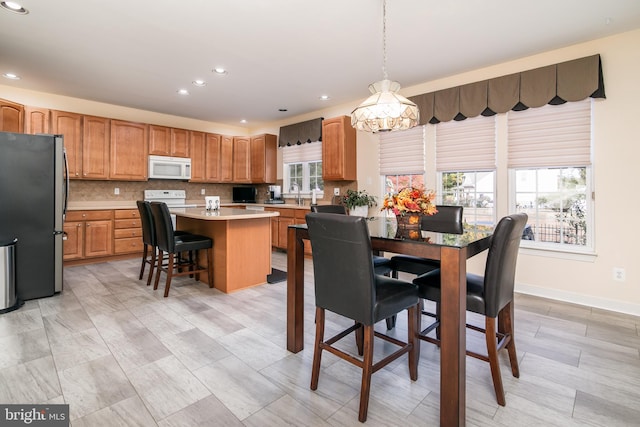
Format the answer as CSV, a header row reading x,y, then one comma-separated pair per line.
x,y
354,198
411,200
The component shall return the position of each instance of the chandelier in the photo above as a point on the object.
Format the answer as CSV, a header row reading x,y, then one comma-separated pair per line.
x,y
385,110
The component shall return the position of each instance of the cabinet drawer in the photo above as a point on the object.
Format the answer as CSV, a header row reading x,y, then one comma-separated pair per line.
x,y
287,213
88,215
127,232
126,213
301,213
123,246
127,223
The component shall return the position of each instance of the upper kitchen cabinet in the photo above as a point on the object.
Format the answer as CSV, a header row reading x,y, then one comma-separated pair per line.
x,y
179,142
226,158
197,147
212,157
69,125
129,151
241,159
95,147
338,150
36,120
11,117
263,159
159,140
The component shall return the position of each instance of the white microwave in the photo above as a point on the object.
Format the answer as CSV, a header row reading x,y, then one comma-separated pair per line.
x,y
164,167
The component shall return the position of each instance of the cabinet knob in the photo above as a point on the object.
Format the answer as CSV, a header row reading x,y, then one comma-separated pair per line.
x,y
88,224
77,174
84,215
85,174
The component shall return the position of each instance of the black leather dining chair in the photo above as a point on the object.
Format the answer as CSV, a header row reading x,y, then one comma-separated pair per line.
x,y
382,264
490,295
346,284
173,245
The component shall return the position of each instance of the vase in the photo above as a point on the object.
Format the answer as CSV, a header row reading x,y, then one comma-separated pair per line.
x,y
410,220
359,211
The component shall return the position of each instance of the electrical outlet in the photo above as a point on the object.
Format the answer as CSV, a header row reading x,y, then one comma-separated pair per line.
x,y
336,191
116,191
619,275
202,192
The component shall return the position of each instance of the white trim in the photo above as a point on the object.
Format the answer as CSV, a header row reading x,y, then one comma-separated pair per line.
x,y
581,299
557,252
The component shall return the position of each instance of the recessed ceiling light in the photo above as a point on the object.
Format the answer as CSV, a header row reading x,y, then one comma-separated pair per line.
x,y
199,83
220,71
14,7
183,92
324,97
243,121
282,110
11,76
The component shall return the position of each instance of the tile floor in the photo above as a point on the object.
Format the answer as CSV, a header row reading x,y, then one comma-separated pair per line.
x,y
122,355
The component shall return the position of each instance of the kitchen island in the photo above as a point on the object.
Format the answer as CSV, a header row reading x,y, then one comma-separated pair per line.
x,y
241,243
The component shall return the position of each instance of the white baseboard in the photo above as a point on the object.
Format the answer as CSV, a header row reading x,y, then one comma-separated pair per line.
x,y
581,299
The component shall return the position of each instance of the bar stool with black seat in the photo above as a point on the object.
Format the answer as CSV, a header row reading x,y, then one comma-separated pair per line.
x,y
148,239
382,264
490,295
171,244
346,284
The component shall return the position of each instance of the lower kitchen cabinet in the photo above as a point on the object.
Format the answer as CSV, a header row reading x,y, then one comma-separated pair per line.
x,y
88,234
280,224
127,233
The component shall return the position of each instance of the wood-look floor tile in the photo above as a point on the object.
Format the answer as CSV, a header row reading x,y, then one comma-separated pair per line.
x,y
214,323
285,411
63,301
117,323
137,349
194,348
129,412
252,349
21,348
67,322
19,321
34,381
600,410
204,413
77,348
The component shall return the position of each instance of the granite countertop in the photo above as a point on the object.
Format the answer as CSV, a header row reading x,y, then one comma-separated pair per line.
x,y
131,204
222,214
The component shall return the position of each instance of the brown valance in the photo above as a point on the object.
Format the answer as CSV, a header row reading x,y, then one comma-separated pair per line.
x,y
299,133
554,84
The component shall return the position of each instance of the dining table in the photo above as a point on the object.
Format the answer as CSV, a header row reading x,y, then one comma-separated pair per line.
x,y
452,250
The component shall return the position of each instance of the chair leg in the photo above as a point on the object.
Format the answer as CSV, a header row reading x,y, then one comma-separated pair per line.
x,y
438,318
197,266
391,322
152,265
210,267
360,339
144,260
505,326
367,370
158,269
169,275
317,350
492,351
413,316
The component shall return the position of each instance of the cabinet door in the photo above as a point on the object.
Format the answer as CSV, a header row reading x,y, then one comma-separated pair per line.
x,y
36,120
263,159
159,140
226,159
212,157
73,239
197,148
241,159
11,117
179,142
95,147
283,226
69,125
338,150
129,151
98,238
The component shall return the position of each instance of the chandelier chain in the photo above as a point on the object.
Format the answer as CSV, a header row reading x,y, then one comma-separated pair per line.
x,y
384,39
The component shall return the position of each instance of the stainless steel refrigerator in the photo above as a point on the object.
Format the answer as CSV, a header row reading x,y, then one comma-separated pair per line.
x,y
33,191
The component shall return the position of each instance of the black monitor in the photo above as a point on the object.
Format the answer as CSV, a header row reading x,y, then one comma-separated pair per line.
x,y
245,194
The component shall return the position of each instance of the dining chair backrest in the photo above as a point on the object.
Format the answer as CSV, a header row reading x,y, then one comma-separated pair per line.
x,y
164,227
343,265
148,227
500,269
447,220
334,209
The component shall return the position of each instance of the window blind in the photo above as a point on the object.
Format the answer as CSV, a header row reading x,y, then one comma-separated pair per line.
x,y
302,153
553,135
468,145
402,153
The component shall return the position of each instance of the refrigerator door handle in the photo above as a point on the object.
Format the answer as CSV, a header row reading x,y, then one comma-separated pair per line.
x,y
66,181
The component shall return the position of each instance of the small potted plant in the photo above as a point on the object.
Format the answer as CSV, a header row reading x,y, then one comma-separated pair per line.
x,y
358,202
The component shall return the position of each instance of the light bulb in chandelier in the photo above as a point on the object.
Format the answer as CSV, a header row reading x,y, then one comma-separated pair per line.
x,y
385,110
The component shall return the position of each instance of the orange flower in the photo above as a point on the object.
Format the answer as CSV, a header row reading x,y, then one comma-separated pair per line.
x,y
411,199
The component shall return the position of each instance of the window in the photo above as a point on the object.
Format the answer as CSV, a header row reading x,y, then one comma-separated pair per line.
x,y
466,162
303,168
549,156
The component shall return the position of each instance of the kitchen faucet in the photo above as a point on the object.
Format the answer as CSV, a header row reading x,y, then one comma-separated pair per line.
x,y
296,187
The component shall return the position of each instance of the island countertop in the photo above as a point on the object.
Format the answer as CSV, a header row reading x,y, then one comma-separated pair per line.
x,y
222,214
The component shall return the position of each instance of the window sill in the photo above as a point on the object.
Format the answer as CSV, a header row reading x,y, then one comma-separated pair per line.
x,y
560,253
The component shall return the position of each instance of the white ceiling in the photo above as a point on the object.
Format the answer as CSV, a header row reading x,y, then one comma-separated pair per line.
x,y
279,53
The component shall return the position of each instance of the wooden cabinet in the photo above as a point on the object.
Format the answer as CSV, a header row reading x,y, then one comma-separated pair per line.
x,y
69,125
263,159
212,147
242,159
159,140
88,234
95,147
280,225
299,218
179,142
129,151
36,120
285,219
11,117
338,150
127,233
226,158
197,148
